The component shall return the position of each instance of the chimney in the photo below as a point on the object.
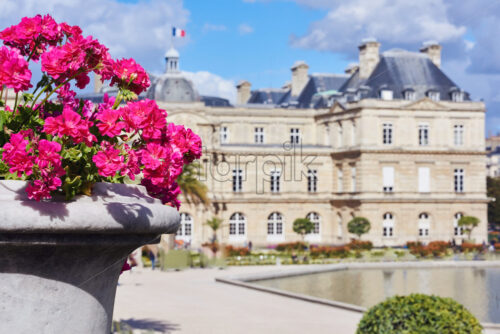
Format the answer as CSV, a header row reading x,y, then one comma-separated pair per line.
x,y
243,92
433,50
299,77
97,83
368,57
351,68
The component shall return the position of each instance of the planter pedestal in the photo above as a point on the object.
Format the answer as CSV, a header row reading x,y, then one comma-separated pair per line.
x,y
60,261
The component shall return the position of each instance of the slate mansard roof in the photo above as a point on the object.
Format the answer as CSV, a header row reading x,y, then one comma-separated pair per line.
x,y
319,86
400,70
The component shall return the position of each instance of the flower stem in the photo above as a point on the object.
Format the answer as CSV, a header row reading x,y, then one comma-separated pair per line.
x,y
15,103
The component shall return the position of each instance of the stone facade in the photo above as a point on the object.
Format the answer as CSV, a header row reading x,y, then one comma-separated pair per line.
x,y
345,146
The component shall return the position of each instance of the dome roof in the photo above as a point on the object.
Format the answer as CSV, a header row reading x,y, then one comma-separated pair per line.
x,y
172,53
172,88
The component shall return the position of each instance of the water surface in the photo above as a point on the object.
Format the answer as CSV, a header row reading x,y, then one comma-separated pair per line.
x,y
476,288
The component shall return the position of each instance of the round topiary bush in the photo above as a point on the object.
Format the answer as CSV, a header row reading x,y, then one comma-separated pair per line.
x,y
418,313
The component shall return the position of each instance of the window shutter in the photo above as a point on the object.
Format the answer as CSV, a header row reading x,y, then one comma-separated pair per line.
x,y
424,179
388,176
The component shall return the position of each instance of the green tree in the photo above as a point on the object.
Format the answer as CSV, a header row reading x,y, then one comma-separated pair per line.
x,y
215,223
468,223
493,191
303,226
359,226
193,190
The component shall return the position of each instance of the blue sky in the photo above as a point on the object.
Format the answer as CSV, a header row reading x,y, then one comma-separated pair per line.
x,y
259,40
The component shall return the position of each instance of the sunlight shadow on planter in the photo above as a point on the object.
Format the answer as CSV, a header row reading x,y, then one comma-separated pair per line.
x,y
110,190
150,324
130,214
55,209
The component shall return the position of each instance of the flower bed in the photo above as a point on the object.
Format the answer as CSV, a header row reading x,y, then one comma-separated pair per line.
x,y
290,246
237,251
470,247
360,245
434,248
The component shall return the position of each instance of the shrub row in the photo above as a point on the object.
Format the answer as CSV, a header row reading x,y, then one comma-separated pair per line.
x,y
289,246
360,245
469,247
237,251
434,248
330,251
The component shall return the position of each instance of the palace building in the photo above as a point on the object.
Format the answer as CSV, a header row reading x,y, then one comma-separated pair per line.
x,y
393,139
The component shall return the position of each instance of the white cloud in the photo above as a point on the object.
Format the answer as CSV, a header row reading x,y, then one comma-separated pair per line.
x,y
390,21
245,29
213,27
139,30
212,85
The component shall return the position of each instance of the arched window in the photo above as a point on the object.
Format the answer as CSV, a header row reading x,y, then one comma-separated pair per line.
x,y
424,224
275,224
316,220
388,225
186,229
457,230
237,225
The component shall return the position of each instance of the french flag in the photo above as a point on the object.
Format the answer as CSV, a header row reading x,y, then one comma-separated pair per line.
x,y
178,32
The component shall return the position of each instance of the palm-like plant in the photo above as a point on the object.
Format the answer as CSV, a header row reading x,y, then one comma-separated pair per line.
x,y
193,190
215,223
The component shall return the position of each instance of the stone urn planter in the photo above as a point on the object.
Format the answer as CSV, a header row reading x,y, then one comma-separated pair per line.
x,y
60,261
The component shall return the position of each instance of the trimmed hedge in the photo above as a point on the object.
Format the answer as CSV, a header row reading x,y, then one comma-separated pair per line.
x,y
418,313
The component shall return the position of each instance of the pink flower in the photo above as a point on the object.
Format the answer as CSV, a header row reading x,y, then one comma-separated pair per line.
x,y
109,125
126,73
14,71
70,124
147,116
153,155
75,59
108,162
16,155
132,167
32,35
185,141
38,190
48,154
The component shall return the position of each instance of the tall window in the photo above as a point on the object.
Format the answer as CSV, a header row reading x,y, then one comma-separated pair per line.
x,y
433,95
275,224
224,135
316,220
340,179
388,225
423,134
457,96
259,135
424,182
353,179
458,135
353,133
340,135
340,229
388,179
409,95
237,180
312,180
237,225
295,135
424,225
275,181
457,230
387,133
186,228
458,175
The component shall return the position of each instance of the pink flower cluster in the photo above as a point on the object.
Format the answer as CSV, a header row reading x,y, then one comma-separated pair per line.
x,y
73,137
72,125
14,71
75,59
27,154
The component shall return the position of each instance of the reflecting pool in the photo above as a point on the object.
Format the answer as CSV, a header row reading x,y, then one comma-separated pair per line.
x,y
478,289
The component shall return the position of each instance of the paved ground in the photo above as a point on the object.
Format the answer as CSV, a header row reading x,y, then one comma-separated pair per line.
x,y
192,302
